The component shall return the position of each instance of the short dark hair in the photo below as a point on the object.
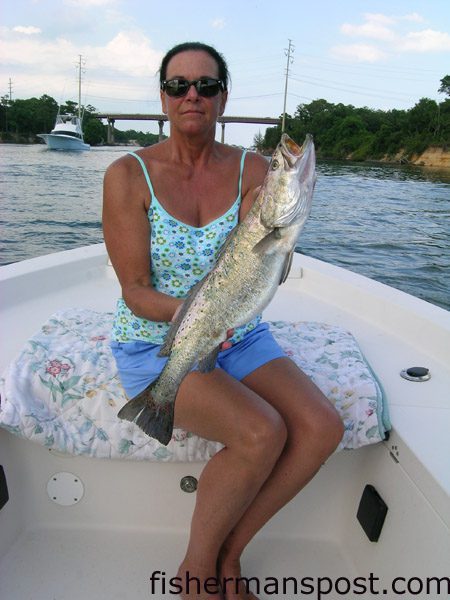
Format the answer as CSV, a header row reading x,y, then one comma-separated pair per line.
x,y
224,74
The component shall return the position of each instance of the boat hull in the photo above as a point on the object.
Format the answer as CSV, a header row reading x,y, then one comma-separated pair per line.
x,y
64,142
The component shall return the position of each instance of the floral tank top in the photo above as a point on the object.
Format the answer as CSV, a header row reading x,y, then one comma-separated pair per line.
x,y
181,255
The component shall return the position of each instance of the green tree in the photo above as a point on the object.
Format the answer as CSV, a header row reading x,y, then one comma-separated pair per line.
x,y
445,85
258,141
94,132
46,111
423,116
4,106
69,108
444,123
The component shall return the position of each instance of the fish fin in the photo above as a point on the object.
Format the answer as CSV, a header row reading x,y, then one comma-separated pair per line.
x,y
266,242
166,347
157,421
286,267
208,362
134,406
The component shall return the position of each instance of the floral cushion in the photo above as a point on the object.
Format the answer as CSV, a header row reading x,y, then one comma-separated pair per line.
x,y
63,391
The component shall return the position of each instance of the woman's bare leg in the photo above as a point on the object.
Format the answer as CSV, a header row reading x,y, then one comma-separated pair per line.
x,y
314,431
217,407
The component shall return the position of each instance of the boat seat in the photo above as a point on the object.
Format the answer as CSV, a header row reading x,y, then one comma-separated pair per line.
x,y
62,390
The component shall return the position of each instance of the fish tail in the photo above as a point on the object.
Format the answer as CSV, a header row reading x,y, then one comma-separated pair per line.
x,y
134,406
156,420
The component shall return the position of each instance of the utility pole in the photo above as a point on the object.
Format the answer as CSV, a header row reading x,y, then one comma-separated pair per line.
x,y
80,62
10,89
290,60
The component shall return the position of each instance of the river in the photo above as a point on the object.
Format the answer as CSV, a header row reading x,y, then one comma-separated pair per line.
x,y
390,223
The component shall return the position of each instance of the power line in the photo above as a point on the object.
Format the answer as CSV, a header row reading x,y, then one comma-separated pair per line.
x,y
350,72
347,87
371,94
370,67
255,96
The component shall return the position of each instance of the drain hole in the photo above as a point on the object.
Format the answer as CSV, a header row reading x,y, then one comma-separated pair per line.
x,y
188,484
416,374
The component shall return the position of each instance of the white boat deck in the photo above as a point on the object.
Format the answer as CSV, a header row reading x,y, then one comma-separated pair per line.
x,y
68,576
107,546
394,330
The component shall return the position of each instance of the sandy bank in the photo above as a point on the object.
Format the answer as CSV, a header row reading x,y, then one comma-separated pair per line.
x,y
432,157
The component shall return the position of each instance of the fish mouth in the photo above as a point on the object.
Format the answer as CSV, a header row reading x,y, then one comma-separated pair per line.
x,y
292,152
301,161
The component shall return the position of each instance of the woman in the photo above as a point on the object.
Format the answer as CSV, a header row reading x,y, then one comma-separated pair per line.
x,y
167,211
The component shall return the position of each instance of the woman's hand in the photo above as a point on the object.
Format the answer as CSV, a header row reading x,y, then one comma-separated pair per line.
x,y
227,345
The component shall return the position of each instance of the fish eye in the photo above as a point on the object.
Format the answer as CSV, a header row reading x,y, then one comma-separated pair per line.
x,y
275,164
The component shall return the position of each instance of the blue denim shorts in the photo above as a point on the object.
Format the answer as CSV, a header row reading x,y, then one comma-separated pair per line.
x,y
138,362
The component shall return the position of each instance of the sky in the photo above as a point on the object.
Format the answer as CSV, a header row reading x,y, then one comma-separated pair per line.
x,y
383,54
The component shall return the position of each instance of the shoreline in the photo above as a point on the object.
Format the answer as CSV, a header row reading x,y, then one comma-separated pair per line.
x,y
435,157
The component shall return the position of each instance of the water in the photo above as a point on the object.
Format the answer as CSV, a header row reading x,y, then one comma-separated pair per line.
x,y
389,223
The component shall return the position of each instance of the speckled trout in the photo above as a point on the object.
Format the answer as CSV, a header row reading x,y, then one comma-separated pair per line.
x,y
253,262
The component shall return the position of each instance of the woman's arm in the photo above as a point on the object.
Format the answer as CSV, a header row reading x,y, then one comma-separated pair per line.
x,y
254,175
126,231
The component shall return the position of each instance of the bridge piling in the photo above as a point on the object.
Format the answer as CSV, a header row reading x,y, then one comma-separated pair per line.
x,y
110,131
161,128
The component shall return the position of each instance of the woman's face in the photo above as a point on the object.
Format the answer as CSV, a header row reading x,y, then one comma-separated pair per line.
x,y
193,113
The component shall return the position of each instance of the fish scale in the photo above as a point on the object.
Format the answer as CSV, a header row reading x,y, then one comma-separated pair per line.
x,y
254,260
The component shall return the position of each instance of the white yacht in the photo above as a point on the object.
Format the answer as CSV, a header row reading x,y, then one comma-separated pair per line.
x,y
67,134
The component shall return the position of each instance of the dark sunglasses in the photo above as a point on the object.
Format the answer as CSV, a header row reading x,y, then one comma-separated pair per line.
x,y
206,87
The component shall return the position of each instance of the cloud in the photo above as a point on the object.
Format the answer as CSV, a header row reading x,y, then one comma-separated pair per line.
x,y
372,29
29,30
357,53
427,40
413,17
390,32
124,67
129,52
379,18
19,51
218,23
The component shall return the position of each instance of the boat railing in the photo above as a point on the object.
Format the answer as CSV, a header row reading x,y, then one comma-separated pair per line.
x,y
74,134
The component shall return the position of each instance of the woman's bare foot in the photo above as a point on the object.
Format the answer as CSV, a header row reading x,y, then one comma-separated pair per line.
x,y
234,585
199,583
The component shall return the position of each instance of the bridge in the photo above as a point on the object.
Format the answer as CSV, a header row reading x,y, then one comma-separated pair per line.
x,y
113,117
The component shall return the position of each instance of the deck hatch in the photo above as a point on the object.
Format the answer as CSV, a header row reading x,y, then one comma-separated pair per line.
x,y
65,488
372,512
4,495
